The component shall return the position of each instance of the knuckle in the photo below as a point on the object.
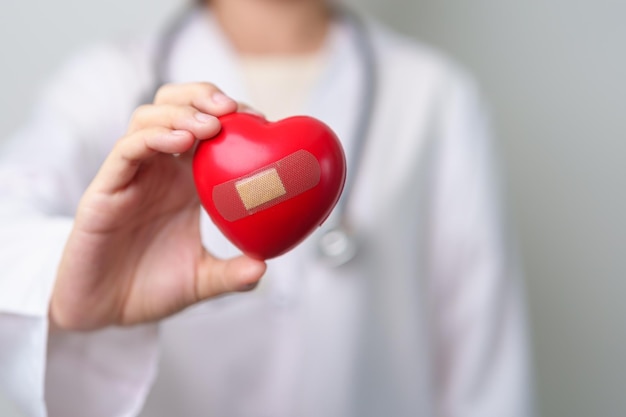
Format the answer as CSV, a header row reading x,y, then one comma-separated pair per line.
x,y
181,117
206,88
174,116
140,112
208,85
162,93
141,117
186,111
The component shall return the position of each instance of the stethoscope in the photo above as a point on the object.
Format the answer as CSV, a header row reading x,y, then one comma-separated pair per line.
x,y
338,244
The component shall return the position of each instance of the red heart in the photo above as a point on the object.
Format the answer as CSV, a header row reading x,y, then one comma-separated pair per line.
x,y
267,186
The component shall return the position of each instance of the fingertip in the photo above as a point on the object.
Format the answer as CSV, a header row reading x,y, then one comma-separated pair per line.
x,y
206,119
216,276
181,135
181,141
250,272
222,99
209,126
217,104
223,104
257,267
176,141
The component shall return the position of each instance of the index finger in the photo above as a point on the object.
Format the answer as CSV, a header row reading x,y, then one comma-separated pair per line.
x,y
206,97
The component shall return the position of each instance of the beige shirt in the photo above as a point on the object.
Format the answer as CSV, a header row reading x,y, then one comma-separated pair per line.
x,y
279,85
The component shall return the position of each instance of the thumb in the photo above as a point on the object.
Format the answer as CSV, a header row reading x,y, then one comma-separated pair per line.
x,y
220,276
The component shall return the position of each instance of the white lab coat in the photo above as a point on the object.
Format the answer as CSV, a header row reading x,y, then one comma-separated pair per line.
x,y
428,320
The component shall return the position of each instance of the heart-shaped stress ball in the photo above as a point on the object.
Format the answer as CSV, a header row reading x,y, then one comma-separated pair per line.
x,y
267,186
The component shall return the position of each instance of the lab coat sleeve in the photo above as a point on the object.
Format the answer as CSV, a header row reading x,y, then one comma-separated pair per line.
x,y
481,357
44,169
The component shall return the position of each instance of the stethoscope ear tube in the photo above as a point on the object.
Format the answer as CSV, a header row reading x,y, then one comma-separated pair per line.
x,y
338,244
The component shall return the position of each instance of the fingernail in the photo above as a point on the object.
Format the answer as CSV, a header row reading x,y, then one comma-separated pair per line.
x,y
221,98
204,118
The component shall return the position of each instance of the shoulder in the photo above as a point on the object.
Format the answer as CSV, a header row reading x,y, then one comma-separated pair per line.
x,y
433,100
101,76
420,80
93,94
106,65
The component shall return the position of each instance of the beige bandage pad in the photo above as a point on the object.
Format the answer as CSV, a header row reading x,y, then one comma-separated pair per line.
x,y
260,188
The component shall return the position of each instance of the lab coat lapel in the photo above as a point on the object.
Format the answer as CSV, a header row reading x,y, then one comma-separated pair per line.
x,y
335,97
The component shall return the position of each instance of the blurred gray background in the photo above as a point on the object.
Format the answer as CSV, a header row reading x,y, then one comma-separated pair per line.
x,y
553,73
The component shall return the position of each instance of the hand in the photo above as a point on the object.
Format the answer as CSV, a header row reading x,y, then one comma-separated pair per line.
x,y
135,253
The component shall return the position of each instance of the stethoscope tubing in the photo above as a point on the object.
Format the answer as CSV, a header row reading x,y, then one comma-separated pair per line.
x,y
338,244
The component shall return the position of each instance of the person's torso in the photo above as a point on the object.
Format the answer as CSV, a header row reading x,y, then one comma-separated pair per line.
x,y
314,340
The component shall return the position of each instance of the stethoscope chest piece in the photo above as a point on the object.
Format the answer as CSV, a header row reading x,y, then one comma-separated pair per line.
x,y
336,247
